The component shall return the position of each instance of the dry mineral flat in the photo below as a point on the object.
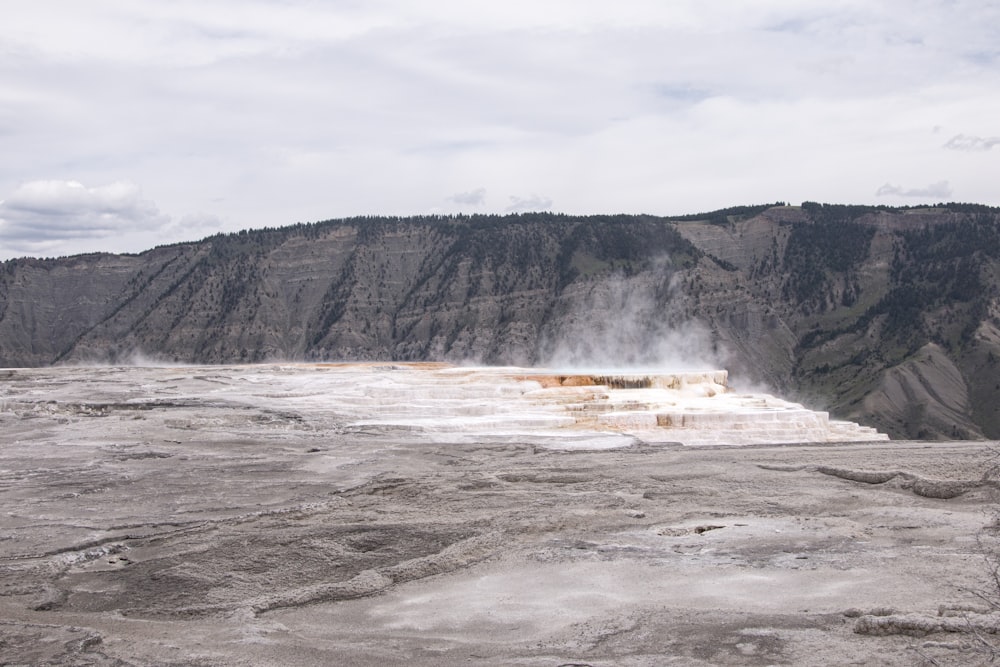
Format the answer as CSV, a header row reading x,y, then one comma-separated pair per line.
x,y
424,515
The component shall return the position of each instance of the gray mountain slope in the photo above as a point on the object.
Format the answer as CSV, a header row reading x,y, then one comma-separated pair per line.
x,y
889,317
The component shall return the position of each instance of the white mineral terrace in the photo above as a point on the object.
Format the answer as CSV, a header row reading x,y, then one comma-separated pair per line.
x,y
575,408
689,407
440,402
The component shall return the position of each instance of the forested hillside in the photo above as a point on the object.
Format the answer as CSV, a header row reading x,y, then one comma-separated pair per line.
x,y
885,316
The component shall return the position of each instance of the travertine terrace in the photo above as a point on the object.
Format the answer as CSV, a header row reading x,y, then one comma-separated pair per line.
x,y
436,515
684,407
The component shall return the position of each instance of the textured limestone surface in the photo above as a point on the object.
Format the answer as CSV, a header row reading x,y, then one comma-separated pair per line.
x,y
304,515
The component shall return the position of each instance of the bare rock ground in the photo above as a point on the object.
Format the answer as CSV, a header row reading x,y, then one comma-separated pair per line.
x,y
210,517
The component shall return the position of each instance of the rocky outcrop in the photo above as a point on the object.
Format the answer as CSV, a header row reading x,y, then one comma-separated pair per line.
x,y
888,317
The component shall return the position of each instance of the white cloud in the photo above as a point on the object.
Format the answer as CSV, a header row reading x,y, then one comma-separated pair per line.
x,y
195,224
475,197
966,142
530,203
43,215
939,190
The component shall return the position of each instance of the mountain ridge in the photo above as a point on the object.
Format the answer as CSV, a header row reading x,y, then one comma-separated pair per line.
x,y
886,316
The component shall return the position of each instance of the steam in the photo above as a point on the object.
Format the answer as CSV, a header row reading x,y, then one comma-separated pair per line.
x,y
131,358
144,359
630,323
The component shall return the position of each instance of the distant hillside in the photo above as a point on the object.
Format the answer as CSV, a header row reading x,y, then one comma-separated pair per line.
x,y
885,316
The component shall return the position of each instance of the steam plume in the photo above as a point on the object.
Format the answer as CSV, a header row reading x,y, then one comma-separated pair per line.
x,y
629,323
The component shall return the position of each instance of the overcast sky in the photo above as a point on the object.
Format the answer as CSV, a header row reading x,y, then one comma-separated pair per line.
x,y
127,123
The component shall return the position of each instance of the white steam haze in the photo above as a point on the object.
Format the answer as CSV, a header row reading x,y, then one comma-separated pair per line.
x,y
630,323
127,124
124,358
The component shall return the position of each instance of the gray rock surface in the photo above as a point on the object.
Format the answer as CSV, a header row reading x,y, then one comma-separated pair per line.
x,y
248,515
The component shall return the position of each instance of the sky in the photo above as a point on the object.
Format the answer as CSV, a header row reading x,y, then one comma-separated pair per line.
x,y
126,124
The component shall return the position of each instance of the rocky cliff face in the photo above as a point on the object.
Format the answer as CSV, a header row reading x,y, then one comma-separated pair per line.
x,y
887,317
